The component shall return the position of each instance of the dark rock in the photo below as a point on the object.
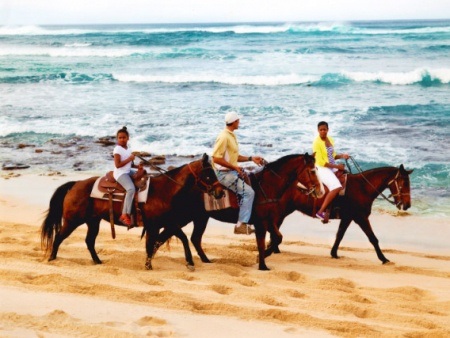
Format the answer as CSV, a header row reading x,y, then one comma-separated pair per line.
x,y
23,145
14,166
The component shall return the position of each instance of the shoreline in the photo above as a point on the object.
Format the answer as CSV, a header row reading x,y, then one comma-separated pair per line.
x,y
305,294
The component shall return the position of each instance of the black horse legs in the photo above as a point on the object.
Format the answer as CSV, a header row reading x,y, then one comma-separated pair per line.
x,y
91,236
154,241
365,226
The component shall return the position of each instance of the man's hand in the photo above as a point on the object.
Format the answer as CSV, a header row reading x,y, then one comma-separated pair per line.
x,y
258,160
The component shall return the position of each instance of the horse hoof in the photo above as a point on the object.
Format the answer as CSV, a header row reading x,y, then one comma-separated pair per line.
x,y
51,259
387,261
148,265
190,267
264,268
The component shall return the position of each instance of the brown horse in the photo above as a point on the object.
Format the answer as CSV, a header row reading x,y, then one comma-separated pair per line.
x,y
355,205
269,185
72,203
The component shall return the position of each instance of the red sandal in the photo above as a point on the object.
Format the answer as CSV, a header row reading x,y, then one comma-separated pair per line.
x,y
126,220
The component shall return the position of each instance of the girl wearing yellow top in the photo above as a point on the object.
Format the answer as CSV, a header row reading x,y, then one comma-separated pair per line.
x,y
323,146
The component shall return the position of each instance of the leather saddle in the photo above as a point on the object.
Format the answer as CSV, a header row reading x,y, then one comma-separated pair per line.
x,y
342,177
109,185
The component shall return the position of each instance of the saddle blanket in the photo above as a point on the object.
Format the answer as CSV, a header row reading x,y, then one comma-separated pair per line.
x,y
229,200
118,197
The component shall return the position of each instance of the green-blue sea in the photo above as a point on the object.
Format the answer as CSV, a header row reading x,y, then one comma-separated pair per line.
x,y
384,88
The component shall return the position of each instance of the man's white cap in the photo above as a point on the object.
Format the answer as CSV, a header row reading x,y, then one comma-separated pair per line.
x,y
231,116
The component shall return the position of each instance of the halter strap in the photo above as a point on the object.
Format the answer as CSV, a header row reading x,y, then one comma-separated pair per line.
x,y
199,180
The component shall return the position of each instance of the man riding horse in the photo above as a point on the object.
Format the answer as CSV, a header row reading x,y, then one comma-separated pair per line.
x,y
225,158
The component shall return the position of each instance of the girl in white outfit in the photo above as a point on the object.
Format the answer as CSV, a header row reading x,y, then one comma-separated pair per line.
x,y
123,162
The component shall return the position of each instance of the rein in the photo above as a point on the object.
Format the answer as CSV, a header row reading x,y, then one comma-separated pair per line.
x,y
164,172
379,192
159,169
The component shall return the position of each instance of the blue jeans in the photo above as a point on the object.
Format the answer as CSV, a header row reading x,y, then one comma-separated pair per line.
x,y
127,182
232,181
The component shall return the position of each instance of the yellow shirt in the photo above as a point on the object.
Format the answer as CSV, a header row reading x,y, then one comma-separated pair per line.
x,y
226,147
321,151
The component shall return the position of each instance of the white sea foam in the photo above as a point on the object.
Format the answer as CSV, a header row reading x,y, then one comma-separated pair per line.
x,y
69,51
401,78
78,44
337,27
257,80
37,30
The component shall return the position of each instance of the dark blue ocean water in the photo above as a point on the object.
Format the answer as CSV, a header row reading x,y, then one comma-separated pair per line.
x,y
384,88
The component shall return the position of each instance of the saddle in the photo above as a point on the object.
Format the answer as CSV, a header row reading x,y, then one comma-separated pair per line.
x,y
228,200
113,190
342,177
109,185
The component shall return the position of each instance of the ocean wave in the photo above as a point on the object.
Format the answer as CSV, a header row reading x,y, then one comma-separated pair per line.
x,y
418,76
78,44
257,80
275,28
86,50
425,77
74,77
70,51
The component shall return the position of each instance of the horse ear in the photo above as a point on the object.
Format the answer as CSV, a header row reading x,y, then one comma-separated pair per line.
x,y
205,158
403,170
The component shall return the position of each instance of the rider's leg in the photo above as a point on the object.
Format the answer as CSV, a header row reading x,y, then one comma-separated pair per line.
x,y
329,179
328,199
126,181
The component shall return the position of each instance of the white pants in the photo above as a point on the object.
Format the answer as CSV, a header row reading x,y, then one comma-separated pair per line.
x,y
328,178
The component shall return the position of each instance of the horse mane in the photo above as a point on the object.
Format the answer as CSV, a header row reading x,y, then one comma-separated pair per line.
x,y
174,171
370,171
280,162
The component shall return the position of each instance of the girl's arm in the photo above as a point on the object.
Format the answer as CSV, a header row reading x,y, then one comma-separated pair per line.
x,y
119,164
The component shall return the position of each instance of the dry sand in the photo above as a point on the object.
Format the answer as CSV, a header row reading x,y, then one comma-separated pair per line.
x,y
306,293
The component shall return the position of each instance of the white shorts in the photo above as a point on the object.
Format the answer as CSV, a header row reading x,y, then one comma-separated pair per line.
x,y
328,178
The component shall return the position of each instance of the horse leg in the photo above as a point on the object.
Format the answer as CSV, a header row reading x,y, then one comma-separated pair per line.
x,y
275,239
364,224
260,233
343,226
196,237
66,229
91,236
151,244
187,251
161,239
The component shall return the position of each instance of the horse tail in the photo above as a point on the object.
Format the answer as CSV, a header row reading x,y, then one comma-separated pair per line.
x,y
53,220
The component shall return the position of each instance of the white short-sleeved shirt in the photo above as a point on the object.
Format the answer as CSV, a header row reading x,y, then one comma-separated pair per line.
x,y
124,154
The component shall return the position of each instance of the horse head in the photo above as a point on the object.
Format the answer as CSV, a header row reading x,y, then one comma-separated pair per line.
x,y
207,179
300,168
308,181
400,188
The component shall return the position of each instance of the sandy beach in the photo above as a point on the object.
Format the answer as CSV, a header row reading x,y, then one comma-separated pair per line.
x,y
306,293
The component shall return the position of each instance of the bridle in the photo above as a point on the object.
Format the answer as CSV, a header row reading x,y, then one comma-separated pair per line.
x,y
200,182
399,192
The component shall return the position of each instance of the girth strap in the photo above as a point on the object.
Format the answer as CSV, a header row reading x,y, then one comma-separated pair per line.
x,y
111,215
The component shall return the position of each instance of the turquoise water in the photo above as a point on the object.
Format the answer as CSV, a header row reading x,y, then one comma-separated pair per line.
x,y
384,87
